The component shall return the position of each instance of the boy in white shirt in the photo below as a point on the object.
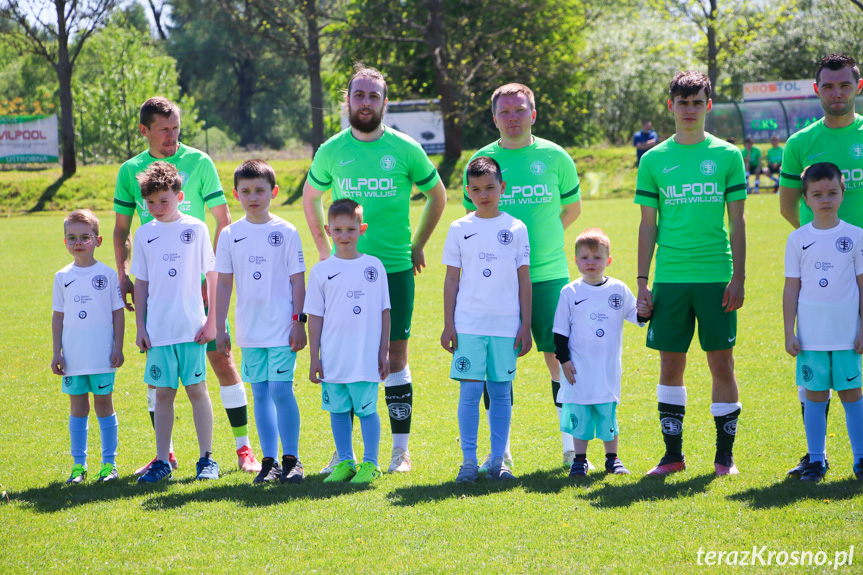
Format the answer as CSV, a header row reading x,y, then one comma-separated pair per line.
x,y
264,254
348,305
824,293
487,307
87,328
170,254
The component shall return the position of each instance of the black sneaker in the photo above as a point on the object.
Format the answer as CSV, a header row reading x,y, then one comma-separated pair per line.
x,y
615,466
797,470
814,471
292,470
578,468
270,471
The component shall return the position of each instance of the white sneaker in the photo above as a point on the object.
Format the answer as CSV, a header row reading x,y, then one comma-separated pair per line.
x,y
401,461
569,457
332,464
507,459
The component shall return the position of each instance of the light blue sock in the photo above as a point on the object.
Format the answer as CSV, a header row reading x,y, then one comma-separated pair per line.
x,y
468,417
342,428
371,428
108,427
499,415
287,415
265,420
815,423
78,435
854,423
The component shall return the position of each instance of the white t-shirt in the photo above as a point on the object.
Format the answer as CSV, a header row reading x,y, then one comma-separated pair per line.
x,y
350,295
489,252
262,257
87,298
592,318
172,257
827,263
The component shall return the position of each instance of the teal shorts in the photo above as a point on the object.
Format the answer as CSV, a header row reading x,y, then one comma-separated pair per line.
x,y
585,422
824,370
544,297
361,396
677,306
262,364
168,364
483,357
401,286
97,384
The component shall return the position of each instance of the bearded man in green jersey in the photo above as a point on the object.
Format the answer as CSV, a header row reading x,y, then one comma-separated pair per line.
x,y
684,187
542,190
377,167
160,125
835,138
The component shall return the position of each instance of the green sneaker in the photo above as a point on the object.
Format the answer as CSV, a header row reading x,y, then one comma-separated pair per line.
x,y
107,473
342,472
366,473
79,473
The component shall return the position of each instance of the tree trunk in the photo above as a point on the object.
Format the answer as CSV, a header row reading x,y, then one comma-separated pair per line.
x,y
313,62
63,67
245,72
712,48
446,89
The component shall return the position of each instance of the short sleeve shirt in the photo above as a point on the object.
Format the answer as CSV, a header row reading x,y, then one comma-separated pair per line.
x,y
540,178
690,186
640,137
379,176
753,158
774,155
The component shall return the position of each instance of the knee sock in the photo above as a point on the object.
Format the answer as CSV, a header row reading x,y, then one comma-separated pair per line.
x,y
468,418
108,428
487,402
341,424
854,423
725,417
265,420
672,408
398,391
78,436
500,415
371,428
287,415
234,401
815,423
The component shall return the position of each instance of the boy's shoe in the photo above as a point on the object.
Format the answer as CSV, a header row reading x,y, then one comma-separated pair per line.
x,y
578,468
366,473
401,461
157,471
858,469
507,459
498,470
108,473
724,465
814,472
334,461
668,465
207,469
246,460
270,471
79,474
467,473
171,459
569,457
292,470
344,471
615,466
797,470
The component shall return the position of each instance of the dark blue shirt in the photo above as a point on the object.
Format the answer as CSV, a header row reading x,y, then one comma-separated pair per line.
x,y
640,138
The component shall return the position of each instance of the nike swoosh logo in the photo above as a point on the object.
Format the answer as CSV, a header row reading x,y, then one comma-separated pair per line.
x,y
109,385
198,374
332,276
666,170
731,339
282,370
239,239
503,170
813,156
809,246
470,236
582,301
68,284
852,378
510,371
153,239
348,162
366,405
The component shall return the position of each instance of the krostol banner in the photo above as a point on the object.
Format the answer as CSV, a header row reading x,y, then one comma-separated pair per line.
x,y
29,140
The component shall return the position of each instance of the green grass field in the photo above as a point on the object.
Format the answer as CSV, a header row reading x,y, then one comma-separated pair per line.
x,y
421,522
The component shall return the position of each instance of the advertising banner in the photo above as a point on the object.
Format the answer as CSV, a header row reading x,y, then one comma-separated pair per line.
x,y
781,90
422,120
29,140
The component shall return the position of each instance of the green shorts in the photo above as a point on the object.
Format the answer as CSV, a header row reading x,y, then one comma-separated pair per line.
x,y
824,370
361,396
262,364
401,286
585,422
483,358
168,364
543,305
676,307
96,383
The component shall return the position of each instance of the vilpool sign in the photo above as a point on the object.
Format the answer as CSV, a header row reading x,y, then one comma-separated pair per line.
x,y
28,140
782,90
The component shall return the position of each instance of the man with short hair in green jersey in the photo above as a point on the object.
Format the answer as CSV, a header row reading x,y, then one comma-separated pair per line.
x,y
377,167
836,138
684,187
160,125
542,190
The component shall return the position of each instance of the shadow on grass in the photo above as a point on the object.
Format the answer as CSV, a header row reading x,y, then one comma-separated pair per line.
x,y
647,488
48,194
58,496
298,191
791,490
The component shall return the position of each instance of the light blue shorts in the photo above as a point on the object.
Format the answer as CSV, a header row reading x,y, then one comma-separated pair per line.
x,y
97,384
268,364
361,396
823,370
484,357
168,364
586,422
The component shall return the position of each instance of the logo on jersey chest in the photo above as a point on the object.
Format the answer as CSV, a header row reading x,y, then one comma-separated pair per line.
x,y
368,187
527,194
172,257
99,282
697,192
257,260
856,151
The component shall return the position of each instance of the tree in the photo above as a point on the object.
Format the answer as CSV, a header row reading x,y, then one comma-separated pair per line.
x,y
49,34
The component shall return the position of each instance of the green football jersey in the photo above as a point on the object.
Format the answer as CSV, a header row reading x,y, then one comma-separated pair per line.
x,y
753,159
689,186
201,186
379,176
540,178
774,155
843,147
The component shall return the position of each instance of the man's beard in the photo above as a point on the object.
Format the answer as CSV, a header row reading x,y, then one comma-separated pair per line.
x,y
365,126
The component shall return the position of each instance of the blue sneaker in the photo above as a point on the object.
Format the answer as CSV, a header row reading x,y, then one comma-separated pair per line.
x,y
207,469
157,471
814,471
858,469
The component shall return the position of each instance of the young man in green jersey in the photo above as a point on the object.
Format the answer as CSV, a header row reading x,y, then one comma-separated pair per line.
x,y
543,192
160,126
752,162
684,187
377,167
774,162
836,138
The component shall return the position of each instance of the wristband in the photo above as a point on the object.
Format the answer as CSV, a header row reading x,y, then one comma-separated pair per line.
x,y
301,317
645,278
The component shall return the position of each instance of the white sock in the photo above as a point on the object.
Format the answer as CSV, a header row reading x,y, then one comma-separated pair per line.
x,y
567,441
401,440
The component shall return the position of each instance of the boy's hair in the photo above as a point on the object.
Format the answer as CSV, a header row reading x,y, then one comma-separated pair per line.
x,y
511,90
158,177
837,62
252,169
688,83
157,106
83,216
482,166
593,239
363,71
345,207
748,141
821,171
